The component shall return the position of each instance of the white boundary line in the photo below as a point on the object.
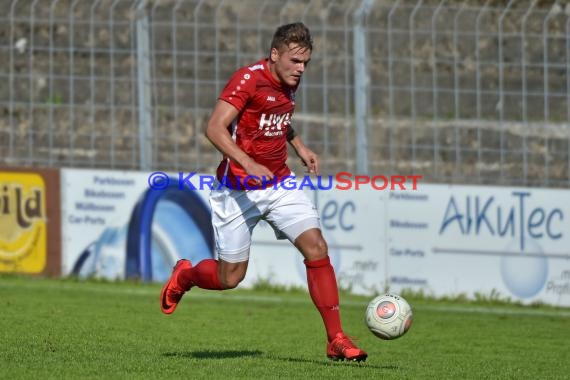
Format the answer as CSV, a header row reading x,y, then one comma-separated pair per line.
x,y
216,295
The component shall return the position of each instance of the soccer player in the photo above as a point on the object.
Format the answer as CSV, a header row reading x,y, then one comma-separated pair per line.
x,y
251,125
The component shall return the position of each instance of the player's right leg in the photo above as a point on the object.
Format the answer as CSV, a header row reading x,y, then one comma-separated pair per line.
x,y
208,274
233,217
172,291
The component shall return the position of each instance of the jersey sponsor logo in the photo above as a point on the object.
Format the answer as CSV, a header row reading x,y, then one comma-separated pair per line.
x,y
271,98
274,124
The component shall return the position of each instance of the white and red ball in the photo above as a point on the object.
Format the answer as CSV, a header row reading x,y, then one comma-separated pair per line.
x,y
389,316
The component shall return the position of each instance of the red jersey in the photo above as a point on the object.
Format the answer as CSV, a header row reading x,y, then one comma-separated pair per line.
x,y
265,109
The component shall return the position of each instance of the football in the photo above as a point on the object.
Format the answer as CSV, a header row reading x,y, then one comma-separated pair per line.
x,y
389,316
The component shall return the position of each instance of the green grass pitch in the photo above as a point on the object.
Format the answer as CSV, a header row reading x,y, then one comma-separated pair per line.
x,y
64,329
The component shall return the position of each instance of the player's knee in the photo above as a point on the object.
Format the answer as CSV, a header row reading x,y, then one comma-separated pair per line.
x,y
231,281
231,274
318,249
321,247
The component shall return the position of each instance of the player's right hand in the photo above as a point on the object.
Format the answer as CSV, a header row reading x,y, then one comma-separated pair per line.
x,y
260,173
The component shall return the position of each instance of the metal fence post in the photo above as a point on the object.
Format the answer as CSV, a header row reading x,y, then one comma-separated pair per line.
x,y
391,85
51,120
457,88
413,87
568,87
501,106
143,84
524,80
361,85
434,81
32,96
71,89
545,69
478,84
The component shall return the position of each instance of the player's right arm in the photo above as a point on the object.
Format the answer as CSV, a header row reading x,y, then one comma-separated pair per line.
x,y
217,132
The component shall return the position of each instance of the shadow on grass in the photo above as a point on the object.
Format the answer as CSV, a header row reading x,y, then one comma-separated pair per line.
x,y
223,354
230,354
327,362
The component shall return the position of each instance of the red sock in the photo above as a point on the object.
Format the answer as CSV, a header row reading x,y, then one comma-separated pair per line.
x,y
324,293
204,275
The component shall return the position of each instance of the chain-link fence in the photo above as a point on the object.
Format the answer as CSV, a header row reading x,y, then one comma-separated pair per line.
x,y
458,91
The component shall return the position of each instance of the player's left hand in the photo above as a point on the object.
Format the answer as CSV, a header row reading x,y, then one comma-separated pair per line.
x,y
310,159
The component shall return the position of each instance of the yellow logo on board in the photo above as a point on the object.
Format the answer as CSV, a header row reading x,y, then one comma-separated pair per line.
x,y
23,242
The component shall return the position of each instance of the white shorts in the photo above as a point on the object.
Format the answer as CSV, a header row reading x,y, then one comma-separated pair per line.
x,y
236,212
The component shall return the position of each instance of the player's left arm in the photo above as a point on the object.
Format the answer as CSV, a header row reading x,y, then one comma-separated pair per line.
x,y
309,158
